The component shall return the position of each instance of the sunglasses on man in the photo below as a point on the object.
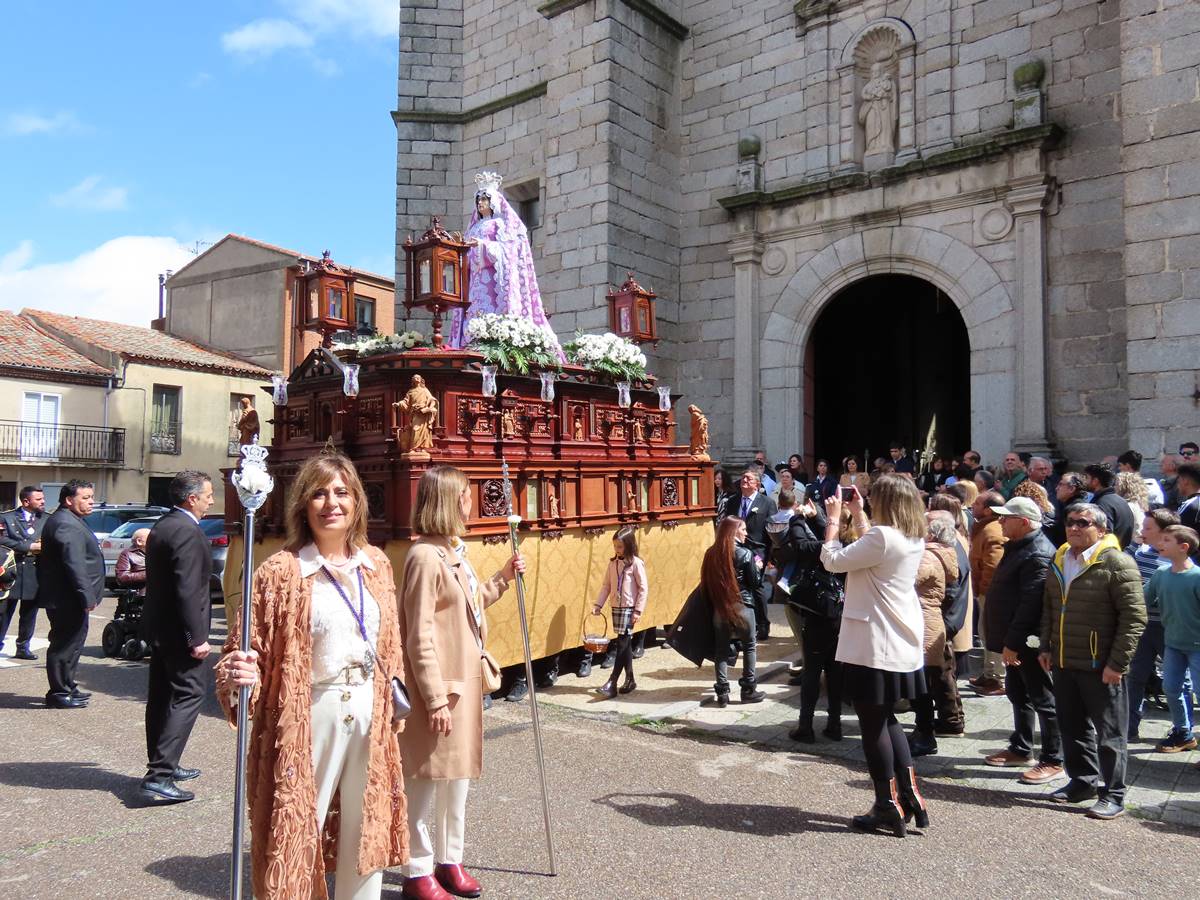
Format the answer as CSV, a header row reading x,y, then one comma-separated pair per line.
x,y
1080,523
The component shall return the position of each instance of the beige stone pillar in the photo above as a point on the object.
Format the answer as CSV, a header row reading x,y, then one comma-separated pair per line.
x,y
1027,200
746,248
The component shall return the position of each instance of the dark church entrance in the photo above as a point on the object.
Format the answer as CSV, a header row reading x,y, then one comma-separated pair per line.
x,y
888,359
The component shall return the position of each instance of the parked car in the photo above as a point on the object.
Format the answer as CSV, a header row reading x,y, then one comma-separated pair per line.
x,y
105,518
111,546
214,530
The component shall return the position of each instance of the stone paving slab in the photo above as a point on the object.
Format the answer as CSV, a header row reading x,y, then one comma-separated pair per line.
x,y
672,693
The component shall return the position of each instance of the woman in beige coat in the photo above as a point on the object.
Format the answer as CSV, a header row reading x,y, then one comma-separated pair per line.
x,y
444,631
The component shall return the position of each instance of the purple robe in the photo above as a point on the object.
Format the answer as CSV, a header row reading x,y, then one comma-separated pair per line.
x,y
503,280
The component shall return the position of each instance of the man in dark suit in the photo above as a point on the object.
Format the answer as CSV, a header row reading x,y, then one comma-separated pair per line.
x,y
70,585
823,486
21,532
176,617
755,508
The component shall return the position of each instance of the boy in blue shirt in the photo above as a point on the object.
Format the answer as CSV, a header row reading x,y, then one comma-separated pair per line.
x,y
1176,591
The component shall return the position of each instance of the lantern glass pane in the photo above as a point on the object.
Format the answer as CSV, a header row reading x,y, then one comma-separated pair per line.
x,y
336,299
424,276
448,279
624,325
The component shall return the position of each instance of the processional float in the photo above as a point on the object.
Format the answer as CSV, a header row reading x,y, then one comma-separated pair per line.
x,y
562,457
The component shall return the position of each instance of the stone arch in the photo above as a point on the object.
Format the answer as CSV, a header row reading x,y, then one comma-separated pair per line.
x,y
889,43
903,34
967,278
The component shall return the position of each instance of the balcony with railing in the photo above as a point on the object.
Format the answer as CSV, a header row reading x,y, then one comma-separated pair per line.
x,y
68,445
166,437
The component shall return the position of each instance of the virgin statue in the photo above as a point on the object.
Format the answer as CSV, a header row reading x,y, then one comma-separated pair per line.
x,y
878,111
501,262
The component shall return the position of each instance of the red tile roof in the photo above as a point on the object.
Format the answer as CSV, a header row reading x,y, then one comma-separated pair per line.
x,y
147,345
25,346
286,252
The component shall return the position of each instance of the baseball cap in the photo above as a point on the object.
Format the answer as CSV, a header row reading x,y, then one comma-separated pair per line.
x,y
1020,506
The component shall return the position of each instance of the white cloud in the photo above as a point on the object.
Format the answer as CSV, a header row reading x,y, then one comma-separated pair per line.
x,y
17,258
117,281
93,196
264,37
25,124
308,20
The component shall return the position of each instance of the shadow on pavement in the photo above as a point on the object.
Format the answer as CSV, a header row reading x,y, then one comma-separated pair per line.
x,y
670,809
19,701
199,876
72,776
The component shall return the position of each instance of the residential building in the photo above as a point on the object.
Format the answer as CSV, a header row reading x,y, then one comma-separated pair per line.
x,y
123,406
206,302
56,419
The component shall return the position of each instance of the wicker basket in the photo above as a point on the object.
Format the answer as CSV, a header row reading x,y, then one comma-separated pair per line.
x,y
595,633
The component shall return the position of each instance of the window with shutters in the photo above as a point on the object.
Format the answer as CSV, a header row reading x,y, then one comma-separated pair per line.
x,y
165,423
39,425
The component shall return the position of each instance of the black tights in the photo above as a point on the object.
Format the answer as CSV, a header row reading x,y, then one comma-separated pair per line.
x,y
623,660
883,741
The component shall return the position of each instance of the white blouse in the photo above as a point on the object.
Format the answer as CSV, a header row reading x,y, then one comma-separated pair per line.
x,y
337,640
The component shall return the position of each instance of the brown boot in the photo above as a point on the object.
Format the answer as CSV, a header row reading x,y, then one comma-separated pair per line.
x,y
885,814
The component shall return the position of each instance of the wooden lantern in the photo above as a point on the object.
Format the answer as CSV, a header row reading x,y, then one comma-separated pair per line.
x,y
436,274
328,290
631,312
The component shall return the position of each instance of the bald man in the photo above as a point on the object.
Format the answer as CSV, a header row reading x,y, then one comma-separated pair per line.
x,y
131,564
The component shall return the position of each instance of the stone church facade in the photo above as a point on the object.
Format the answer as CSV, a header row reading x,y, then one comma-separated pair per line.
x,y
1034,164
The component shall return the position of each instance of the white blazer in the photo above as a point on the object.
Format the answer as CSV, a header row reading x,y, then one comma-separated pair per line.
x,y
882,625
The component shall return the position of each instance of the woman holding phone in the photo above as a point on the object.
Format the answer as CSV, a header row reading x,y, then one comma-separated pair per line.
x,y
880,644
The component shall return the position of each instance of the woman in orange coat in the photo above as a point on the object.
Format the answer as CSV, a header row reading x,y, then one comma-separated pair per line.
x,y
444,633
323,763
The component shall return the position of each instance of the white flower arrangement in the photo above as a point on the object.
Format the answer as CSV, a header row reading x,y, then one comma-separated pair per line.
x,y
1033,642
385,343
608,353
255,480
513,342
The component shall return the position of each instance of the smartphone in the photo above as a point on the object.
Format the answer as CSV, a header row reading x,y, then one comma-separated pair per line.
x,y
847,494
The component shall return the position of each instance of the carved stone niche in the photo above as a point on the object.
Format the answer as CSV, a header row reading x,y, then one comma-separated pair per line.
x,y
878,97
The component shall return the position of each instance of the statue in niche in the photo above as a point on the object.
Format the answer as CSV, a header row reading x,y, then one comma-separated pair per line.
x,y
552,502
577,429
508,424
247,424
877,113
699,442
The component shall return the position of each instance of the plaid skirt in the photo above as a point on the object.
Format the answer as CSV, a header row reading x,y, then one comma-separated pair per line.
x,y
622,620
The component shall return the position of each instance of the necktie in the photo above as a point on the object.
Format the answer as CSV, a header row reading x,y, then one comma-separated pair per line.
x,y
745,507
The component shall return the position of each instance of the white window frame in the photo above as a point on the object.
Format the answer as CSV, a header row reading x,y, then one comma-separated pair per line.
x,y
40,437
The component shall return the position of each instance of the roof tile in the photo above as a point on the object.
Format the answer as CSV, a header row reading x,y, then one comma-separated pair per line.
x,y
25,346
147,344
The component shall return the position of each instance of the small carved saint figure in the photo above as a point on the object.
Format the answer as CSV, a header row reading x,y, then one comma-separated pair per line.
x,y
247,425
639,431
508,424
422,409
577,428
877,114
631,504
699,442
552,502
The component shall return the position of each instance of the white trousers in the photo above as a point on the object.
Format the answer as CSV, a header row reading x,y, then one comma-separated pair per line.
x,y
437,818
341,741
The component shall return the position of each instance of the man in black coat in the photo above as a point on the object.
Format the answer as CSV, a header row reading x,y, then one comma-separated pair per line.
x,y
755,508
1014,614
176,619
1101,478
70,585
823,486
21,532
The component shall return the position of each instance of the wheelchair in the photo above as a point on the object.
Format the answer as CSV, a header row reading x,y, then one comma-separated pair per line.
x,y
123,636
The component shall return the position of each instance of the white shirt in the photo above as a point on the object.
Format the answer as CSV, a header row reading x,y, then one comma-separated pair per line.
x,y
337,640
882,624
1073,565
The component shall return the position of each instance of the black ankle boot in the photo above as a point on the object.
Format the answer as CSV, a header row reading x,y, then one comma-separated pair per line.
x,y
722,699
803,732
884,814
608,690
833,729
629,685
909,795
922,743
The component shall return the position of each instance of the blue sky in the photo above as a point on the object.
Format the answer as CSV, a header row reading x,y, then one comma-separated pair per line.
x,y
131,130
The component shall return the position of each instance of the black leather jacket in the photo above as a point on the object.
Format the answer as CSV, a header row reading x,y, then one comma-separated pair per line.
x,y
749,575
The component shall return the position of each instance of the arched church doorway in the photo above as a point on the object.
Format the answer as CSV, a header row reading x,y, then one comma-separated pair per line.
x,y
888,359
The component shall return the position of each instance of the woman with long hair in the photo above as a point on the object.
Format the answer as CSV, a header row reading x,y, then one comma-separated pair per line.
x,y
1035,492
963,639
325,648
625,584
729,576
796,466
1131,487
881,641
442,624
722,491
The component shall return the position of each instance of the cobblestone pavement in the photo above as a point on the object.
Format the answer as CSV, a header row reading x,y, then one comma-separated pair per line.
x,y
652,797
1162,787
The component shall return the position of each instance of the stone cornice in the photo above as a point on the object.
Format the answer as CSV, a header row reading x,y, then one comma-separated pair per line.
x,y
438,117
1042,136
647,8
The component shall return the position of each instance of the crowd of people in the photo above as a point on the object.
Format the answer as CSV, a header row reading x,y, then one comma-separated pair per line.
x,y
891,577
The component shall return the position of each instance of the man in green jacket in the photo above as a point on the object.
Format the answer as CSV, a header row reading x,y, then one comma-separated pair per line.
x,y
1092,618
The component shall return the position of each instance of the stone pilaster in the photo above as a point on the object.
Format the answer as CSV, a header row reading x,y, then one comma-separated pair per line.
x,y
1027,202
746,249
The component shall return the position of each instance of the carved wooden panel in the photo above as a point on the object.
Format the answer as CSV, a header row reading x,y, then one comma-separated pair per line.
x,y
670,492
376,499
370,415
297,422
474,417
491,498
